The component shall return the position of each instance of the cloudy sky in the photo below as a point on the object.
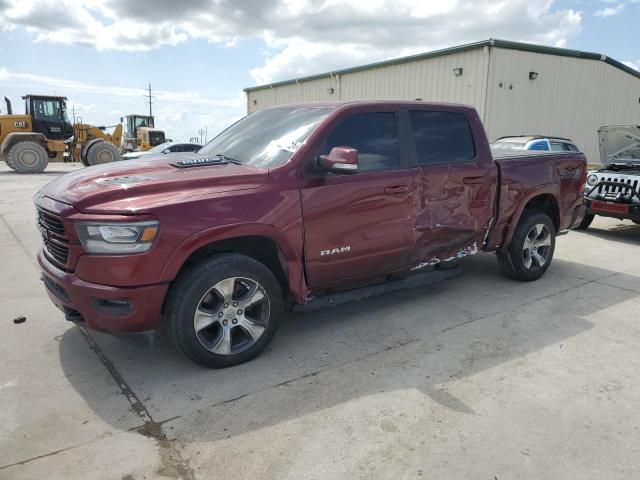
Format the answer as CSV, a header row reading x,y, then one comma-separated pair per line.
x,y
200,54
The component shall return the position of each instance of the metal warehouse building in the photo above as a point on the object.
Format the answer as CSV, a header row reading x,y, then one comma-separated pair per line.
x,y
517,88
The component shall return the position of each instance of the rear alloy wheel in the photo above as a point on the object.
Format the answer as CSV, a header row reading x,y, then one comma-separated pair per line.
x,y
586,222
224,310
27,157
531,249
102,152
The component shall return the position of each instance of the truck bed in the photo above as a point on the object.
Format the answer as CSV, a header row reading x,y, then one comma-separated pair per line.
x,y
531,174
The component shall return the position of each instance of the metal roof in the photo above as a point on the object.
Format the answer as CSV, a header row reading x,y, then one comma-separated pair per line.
x,y
525,47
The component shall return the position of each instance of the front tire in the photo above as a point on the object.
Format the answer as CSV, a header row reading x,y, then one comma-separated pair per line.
x,y
27,156
586,221
531,249
224,310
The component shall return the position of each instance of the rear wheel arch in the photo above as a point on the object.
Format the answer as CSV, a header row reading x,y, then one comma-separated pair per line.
x,y
545,203
540,201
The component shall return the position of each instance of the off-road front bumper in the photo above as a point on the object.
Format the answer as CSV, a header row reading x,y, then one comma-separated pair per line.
x,y
102,307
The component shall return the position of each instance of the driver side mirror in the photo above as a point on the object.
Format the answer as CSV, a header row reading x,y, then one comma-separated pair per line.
x,y
166,150
340,160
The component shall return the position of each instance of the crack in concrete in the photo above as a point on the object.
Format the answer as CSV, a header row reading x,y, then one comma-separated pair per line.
x,y
56,452
173,465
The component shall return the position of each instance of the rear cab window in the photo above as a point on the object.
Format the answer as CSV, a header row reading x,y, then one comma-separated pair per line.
x,y
442,137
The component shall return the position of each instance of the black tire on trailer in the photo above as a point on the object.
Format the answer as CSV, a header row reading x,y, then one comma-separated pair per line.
x,y
27,156
531,249
224,310
101,152
586,222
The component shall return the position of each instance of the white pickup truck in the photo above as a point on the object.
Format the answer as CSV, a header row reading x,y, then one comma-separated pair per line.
x,y
614,189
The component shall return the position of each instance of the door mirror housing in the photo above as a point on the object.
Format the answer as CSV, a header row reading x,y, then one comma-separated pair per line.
x,y
166,150
340,160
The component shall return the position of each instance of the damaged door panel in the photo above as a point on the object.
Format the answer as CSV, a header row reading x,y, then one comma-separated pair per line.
x,y
455,188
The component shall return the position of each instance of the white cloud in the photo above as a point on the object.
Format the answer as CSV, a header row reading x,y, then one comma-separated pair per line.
x,y
633,64
609,11
303,36
177,112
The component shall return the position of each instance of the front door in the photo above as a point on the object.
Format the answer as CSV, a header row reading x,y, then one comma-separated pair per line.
x,y
360,224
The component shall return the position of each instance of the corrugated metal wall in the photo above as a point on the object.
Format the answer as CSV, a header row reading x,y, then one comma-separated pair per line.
x,y
429,79
571,97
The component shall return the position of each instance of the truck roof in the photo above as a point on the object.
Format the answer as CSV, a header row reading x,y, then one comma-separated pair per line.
x,y
528,138
373,103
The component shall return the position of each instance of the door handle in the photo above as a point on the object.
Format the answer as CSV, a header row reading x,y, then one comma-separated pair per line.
x,y
396,190
472,180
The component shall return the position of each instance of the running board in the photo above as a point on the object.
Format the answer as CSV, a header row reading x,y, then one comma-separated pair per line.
x,y
412,281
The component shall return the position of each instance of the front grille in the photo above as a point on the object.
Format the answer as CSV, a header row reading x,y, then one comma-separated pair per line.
x,y
54,237
612,191
156,138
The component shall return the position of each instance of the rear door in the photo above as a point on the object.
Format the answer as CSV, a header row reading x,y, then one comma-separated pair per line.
x,y
360,224
456,183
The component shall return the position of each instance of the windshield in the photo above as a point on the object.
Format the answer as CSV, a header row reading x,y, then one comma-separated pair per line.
x,y
47,110
267,138
501,145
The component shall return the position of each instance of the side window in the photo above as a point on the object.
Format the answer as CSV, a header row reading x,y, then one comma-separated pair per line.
x,y
539,145
176,148
373,135
558,147
570,147
442,137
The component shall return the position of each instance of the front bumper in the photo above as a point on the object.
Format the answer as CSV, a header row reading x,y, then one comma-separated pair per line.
x,y
613,209
101,307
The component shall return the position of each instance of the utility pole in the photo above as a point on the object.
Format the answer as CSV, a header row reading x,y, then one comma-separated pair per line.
x,y
149,98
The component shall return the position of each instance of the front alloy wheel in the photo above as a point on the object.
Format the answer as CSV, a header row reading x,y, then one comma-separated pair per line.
x,y
232,316
224,310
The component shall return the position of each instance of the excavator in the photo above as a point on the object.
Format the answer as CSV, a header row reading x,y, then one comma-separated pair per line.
x,y
28,142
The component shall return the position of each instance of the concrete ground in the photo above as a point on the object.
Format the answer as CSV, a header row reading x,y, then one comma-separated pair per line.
x,y
478,377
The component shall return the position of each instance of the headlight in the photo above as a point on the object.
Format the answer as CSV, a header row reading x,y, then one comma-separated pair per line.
x,y
592,180
117,238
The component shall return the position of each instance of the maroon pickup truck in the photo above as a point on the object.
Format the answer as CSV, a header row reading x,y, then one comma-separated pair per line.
x,y
295,206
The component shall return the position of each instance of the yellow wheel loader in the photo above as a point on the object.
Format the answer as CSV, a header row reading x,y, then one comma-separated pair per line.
x,y
28,142
141,134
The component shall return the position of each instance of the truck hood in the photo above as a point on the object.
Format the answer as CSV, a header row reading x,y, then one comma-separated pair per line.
x,y
619,144
137,186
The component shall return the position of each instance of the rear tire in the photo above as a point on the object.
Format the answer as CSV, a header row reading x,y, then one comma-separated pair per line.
x,y
102,152
586,221
531,249
27,157
224,310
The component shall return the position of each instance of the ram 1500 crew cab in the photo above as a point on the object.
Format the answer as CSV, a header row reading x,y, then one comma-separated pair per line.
x,y
286,206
